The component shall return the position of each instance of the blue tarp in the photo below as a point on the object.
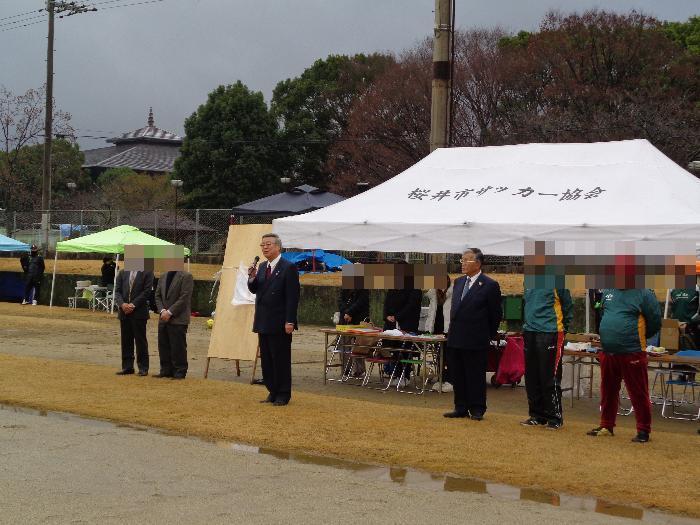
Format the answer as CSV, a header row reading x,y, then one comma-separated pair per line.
x,y
10,245
332,261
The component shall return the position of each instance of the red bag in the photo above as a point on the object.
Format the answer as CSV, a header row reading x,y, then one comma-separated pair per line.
x,y
511,367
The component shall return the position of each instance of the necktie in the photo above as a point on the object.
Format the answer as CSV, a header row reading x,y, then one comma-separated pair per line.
x,y
268,271
132,276
466,288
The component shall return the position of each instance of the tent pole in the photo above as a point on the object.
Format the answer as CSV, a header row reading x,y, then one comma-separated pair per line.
x,y
53,281
668,300
114,285
588,312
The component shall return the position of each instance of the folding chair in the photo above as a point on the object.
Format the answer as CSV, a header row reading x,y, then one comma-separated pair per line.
x,y
682,380
102,300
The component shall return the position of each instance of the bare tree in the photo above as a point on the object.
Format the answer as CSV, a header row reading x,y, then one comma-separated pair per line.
x,y
22,125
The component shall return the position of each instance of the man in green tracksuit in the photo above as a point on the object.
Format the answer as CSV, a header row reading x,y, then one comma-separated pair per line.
x,y
684,304
630,316
548,313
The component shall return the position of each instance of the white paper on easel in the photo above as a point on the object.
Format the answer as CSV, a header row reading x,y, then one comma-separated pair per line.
x,y
241,294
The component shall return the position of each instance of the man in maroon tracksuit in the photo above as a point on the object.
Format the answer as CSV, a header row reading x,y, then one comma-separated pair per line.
x,y
629,317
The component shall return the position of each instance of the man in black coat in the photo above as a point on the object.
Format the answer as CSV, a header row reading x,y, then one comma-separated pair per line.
x,y
131,297
353,305
33,267
474,318
276,287
402,311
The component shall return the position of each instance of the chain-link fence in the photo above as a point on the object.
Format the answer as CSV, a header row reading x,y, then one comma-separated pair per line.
x,y
203,231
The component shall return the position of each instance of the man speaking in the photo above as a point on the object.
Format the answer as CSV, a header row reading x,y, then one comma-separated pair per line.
x,y
276,288
474,319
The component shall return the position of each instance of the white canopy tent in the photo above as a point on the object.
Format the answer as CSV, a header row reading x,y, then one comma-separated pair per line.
x,y
497,197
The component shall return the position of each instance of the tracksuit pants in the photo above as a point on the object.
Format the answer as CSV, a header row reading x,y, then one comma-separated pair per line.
x,y
32,284
632,368
543,351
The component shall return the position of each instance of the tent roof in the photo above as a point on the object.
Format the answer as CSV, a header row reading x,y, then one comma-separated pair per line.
x,y
296,200
111,241
497,197
8,244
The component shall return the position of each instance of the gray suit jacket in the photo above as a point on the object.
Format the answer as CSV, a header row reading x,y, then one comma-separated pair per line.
x,y
178,299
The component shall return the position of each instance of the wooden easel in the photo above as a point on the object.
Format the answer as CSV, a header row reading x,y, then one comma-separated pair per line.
x,y
238,366
232,337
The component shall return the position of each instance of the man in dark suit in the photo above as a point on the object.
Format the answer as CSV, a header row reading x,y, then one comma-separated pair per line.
x,y
130,296
276,288
174,304
474,318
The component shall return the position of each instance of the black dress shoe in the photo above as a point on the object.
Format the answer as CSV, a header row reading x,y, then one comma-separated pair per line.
x,y
125,372
162,375
177,377
455,413
476,417
280,403
143,373
268,399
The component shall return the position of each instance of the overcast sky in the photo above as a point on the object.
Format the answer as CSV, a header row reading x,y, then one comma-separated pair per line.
x,y
110,66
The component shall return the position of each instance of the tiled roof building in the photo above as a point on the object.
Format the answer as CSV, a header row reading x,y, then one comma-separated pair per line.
x,y
148,149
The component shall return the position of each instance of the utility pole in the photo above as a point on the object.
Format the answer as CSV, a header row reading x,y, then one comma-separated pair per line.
x,y
52,7
48,135
442,74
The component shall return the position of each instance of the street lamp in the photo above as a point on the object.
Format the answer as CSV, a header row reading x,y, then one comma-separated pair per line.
x,y
177,184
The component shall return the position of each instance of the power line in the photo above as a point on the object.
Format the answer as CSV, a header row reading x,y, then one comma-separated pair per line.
x,y
21,14
22,26
144,2
17,25
42,16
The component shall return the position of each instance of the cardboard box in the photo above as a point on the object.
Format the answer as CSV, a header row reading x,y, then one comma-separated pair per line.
x,y
581,338
670,334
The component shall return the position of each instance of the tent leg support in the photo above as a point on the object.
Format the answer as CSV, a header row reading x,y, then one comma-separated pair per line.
x,y
206,368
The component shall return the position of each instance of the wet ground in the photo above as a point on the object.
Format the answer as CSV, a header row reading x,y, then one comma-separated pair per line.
x,y
59,468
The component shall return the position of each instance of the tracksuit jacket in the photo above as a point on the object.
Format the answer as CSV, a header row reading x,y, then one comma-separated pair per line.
x,y
547,310
630,316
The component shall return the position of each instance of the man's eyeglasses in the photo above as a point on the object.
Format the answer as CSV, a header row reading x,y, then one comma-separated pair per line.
x,y
266,244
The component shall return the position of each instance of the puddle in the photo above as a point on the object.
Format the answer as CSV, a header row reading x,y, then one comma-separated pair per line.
x,y
408,477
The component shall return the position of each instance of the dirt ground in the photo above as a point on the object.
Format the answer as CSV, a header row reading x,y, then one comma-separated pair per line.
x,y
46,353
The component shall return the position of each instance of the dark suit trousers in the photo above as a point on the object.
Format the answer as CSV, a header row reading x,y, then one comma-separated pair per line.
x,y
172,349
134,330
468,375
276,363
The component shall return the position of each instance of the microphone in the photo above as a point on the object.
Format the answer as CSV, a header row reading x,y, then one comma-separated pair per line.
x,y
255,261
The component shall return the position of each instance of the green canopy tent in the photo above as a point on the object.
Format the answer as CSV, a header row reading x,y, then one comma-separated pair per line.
x,y
108,241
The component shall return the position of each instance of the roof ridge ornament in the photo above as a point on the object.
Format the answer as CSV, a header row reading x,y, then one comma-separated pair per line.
x,y
151,122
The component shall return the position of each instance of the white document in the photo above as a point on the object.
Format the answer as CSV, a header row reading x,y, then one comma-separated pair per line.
x,y
241,294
